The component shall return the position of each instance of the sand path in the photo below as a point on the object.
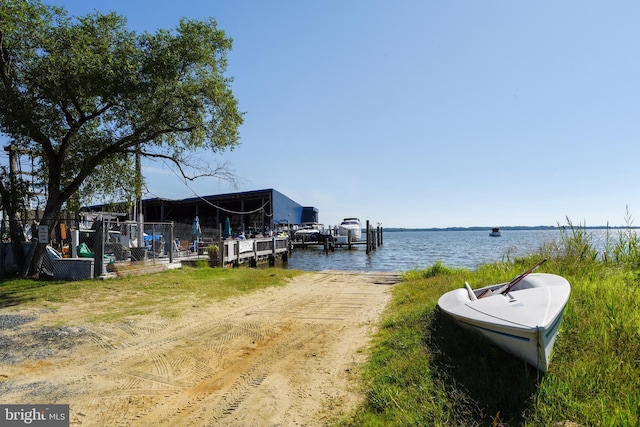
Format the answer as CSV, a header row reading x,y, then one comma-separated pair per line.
x,y
280,357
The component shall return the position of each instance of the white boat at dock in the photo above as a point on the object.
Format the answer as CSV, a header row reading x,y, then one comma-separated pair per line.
x,y
352,225
522,317
307,229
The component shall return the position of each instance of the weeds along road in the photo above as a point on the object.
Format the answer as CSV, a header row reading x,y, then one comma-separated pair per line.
x,y
282,356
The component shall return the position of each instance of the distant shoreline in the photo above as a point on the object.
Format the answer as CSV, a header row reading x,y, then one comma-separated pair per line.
x,y
513,228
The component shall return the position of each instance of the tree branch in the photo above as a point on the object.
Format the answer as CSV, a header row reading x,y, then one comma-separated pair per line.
x,y
221,171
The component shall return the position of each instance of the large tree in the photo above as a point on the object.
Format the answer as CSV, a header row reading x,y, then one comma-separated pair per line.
x,y
84,93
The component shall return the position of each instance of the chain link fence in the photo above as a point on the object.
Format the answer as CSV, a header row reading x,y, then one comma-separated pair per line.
x,y
79,251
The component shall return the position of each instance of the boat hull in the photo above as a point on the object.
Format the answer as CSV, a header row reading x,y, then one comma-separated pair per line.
x,y
524,322
350,225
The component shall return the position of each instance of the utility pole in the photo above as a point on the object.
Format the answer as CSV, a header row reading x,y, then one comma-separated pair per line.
x,y
140,219
12,211
11,206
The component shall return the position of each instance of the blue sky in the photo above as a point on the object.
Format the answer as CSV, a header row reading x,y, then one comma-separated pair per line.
x,y
425,113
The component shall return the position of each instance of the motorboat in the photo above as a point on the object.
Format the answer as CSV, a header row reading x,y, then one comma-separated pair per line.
x,y
308,228
352,225
522,317
495,232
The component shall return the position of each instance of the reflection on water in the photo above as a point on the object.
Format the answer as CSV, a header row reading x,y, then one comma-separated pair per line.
x,y
407,250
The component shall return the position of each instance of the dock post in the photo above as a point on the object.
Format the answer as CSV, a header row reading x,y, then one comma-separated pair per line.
x,y
368,238
172,244
374,231
273,246
349,237
374,239
220,245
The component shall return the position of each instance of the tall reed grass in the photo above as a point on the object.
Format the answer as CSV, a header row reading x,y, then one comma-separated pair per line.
x,y
424,369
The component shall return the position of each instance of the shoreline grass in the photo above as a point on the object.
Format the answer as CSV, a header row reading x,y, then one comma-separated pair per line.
x,y
424,369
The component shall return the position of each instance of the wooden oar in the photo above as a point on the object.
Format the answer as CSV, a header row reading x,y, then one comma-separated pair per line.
x,y
517,280
506,288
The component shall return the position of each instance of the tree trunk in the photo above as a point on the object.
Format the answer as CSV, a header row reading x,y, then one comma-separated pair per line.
x,y
35,256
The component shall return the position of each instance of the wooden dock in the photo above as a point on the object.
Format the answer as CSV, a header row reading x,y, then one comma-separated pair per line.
x,y
235,252
373,239
252,251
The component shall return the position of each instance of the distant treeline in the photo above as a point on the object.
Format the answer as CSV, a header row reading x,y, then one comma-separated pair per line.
x,y
517,227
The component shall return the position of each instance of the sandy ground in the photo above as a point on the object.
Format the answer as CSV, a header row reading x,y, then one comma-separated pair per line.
x,y
280,357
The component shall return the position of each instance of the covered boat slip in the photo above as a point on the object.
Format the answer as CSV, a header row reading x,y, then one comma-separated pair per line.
x,y
250,212
524,321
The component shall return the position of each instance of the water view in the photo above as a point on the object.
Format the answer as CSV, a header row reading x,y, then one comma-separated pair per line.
x,y
407,250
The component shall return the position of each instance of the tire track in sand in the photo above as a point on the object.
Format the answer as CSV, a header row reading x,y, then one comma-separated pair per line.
x,y
279,356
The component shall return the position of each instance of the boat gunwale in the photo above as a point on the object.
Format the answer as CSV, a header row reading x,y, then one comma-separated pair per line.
x,y
459,304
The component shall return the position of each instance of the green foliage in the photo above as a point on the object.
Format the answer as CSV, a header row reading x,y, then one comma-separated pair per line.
x,y
111,183
596,376
626,248
436,269
576,249
214,255
83,94
575,246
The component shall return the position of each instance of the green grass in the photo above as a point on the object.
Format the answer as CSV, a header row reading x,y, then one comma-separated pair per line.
x,y
424,369
163,293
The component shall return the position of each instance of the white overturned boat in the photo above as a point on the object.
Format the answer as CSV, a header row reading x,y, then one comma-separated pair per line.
x,y
522,317
352,225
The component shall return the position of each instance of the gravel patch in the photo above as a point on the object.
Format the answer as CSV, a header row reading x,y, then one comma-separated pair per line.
x,y
10,321
40,343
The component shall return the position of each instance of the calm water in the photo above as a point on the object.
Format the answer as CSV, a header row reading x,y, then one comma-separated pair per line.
x,y
406,250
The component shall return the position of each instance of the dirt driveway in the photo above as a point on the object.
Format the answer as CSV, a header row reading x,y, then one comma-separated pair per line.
x,y
279,357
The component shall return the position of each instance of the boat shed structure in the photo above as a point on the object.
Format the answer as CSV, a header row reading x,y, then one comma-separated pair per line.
x,y
250,212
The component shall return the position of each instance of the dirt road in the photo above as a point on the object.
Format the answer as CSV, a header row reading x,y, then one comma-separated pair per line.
x,y
280,357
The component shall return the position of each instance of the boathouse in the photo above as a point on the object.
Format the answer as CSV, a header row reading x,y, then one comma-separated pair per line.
x,y
257,211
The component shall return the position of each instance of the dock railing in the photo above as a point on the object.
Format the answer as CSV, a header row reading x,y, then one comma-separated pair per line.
x,y
253,250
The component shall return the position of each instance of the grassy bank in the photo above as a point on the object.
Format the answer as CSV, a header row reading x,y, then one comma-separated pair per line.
x,y
426,370
164,293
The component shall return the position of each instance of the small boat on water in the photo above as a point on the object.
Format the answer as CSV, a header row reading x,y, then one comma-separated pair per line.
x,y
495,232
522,317
352,224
